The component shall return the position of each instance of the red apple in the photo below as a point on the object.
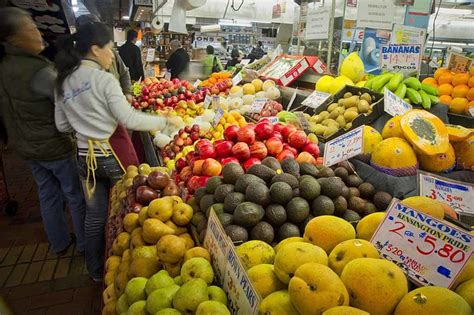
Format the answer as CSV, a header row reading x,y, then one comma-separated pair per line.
x,y
258,150
250,125
288,147
287,131
241,151
277,135
250,162
230,159
285,154
230,133
211,167
197,167
297,139
206,151
263,130
274,146
223,148
246,135
186,173
278,127
312,148
193,184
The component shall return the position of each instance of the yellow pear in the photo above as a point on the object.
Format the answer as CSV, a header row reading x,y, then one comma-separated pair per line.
x,y
121,243
130,222
154,229
188,239
143,267
171,248
197,252
178,230
161,208
182,213
143,215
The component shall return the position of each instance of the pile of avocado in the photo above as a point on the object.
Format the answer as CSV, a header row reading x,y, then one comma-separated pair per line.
x,y
273,201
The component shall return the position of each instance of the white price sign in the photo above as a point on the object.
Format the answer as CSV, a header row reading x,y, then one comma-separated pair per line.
x,y
317,24
237,79
257,105
344,147
400,57
377,14
429,250
316,99
471,111
215,101
292,99
245,62
150,55
167,75
218,116
459,63
207,101
458,195
393,105
196,84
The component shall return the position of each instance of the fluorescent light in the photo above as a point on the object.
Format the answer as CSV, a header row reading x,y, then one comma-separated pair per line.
x,y
234,23
75,9
454,11
125,17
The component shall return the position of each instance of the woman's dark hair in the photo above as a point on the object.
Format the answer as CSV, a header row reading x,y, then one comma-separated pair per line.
x,y
10,22
73,48
210,50
235,53
131,35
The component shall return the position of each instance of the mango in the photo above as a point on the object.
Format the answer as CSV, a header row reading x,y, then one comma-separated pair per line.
x,y
287,241
264,279
327,231
345,310
277,303
254,253
368,225
466,290
349,250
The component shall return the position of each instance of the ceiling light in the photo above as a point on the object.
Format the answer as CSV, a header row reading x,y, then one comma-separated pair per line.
x,y
234,23
454,11
125,17
75,9
74,2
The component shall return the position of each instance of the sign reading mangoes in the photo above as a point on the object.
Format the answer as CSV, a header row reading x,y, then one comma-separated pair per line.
x,y
218,246
429,250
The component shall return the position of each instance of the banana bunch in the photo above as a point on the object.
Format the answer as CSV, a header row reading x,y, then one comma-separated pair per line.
x,y
410,89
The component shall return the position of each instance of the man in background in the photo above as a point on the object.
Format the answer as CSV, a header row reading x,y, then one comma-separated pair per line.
x,y
258,51
132,56
178,60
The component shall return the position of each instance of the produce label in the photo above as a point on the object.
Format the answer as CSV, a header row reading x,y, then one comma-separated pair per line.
x,y
393,105
316,99
471,111
215,101
459,63
430,251
257,104
236,80
243,298
245,62
196,84
344,147
459,195
150,55
167,75
218,116
376,14
207,101
273,119
216,242
403,34
400,58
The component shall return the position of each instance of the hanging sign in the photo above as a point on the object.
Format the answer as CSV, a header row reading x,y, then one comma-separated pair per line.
x,y
236,80
316,99
459,63
317,24
400,58
393,105
429,250
458,195
377,14
344,147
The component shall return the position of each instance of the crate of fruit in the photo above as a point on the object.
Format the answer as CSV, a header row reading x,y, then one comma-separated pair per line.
x,y
350,108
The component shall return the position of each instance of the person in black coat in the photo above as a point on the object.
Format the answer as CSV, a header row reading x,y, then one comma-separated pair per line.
x,y
132,56
178,60
235,55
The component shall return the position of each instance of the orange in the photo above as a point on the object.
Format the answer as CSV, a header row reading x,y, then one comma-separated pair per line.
x,y
430,81
445,99
460,91
445,89
445,78
458,105
470,94
440,72
460,78
470,82
471,71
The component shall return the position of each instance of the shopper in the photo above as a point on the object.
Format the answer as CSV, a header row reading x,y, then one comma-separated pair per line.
x,y
132,56
211,63
178,60
90,102
27,109
235,55
258,51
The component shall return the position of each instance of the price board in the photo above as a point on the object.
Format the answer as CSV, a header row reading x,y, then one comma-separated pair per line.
x,y
167,75
257,104
401,57
316,99
459,195
216,242
344,147
430,251
459,63
237,79
196,84
207,101
393,105
150,55
243,298
218,116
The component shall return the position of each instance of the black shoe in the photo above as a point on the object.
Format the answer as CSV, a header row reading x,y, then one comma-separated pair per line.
x,y
71,242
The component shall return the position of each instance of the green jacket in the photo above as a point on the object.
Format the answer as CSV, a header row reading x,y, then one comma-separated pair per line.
x,y
28,116
208,63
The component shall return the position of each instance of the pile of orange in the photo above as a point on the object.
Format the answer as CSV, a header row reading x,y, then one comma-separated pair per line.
x,y
215,77
455,89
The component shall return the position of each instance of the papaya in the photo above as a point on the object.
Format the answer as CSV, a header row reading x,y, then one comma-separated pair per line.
x,y
394,156
413,83
441,162
371,138
465,153
458,133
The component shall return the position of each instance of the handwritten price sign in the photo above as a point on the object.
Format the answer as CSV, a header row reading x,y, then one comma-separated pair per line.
x,y
207,101
400,57
236,80
218,116
459,195
430,251
393,105
316,99
344,147
257,104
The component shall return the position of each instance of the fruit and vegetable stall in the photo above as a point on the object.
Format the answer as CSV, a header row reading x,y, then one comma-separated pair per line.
x,y
355,197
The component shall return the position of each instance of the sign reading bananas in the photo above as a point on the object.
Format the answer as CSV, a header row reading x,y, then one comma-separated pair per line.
x,y
401,58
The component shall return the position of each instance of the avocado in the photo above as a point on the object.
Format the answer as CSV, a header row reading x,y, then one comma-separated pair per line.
x,y
348,166
332,187
225,219
353,181
197,218
258,193
262,231
346,193
308,169
218,209
322,205
275,215
351,216
281,193
353,192
223,191
286,178
325,172
237,233
192,202
297,210
341,172
272,163
369,208
213,183
262,171
357,204
302,177
247,214
291,166
309,188
382,200
201,226
232,200
303,224
288,230
206,202
201,191
340,206
202,235
245,180
296,192
366,190
231,172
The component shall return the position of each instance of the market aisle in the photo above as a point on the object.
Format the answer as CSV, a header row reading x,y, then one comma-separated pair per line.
x,y
33,280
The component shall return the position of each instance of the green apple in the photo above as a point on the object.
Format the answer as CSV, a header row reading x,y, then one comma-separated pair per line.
x,y
197,267
212,307
135,290
137,308
178,280
122,304
190,295
161,298
168,311
217,294
159,280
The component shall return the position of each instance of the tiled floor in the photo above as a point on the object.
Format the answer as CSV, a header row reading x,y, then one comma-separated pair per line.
x,y
32,279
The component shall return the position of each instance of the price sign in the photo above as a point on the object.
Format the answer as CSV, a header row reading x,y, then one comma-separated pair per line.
x,y
150,55
344,147
196,84
459,195
215,101
316,99
217,244
471,111
292,99
400,57
243,298
218,116
258,104
459,63
167,75
245,62
236,80
393,105
430,251
207,101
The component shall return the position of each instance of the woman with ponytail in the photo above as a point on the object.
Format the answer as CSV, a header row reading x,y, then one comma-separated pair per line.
x,y
90,102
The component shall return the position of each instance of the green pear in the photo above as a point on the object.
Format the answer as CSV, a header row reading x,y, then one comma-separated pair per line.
x,y
217,294
161,298
190,295
197,267
159,280
135,289
168,311
178,280
137,308
144,252
212,307
122,304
